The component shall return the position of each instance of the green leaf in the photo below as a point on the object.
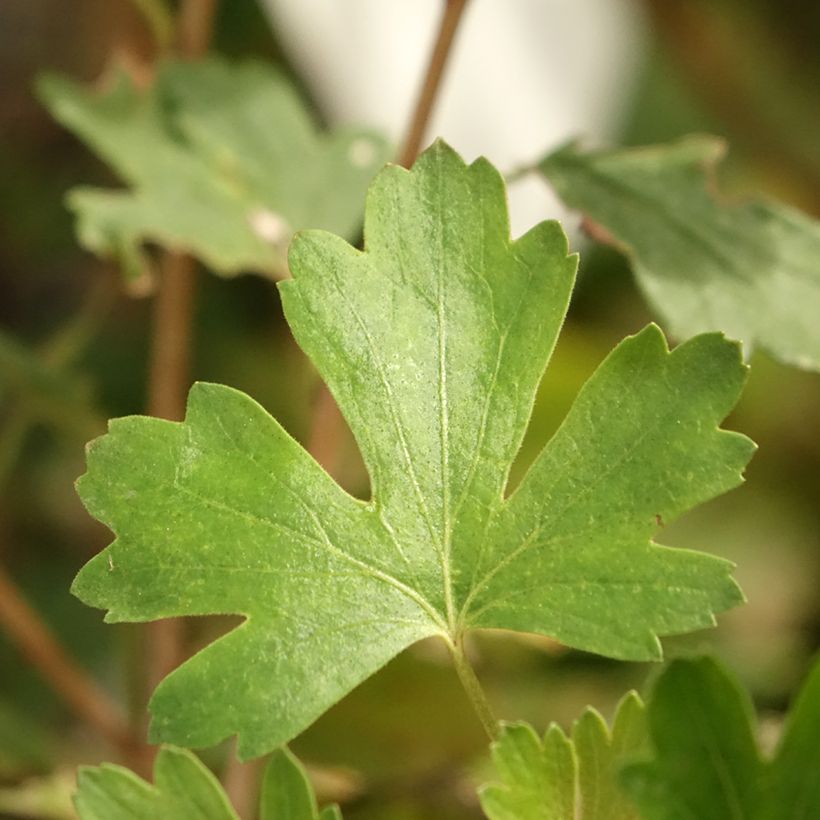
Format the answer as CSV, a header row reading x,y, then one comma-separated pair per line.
x,y
183,790
563,779
749,270
537,776
600,756
221,160
287,793
705,762
793,778
433,341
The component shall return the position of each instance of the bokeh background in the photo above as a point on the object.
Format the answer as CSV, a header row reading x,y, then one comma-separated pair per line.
x,y
524,76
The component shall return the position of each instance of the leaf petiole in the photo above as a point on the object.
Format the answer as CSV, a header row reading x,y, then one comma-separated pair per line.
x,y
472,686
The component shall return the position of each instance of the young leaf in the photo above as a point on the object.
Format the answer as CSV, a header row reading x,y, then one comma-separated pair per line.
x,y
221,160
433,341
705,761
287,793
601,753
751,270
183,790
537,777
562,779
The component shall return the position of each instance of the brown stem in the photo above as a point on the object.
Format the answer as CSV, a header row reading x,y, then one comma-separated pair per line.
x,y
327,427
241,783
171,342
432,81
194,28
326,431
168,379
36,641
167,389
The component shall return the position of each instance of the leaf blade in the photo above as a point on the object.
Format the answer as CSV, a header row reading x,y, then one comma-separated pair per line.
x,y
748,270
183,790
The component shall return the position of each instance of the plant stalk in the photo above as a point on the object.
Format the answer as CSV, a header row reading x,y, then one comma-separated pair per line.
x,y
475,692
168,379
42,650
428,95
327,426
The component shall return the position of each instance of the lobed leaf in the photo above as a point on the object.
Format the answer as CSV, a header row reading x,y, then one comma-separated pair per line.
x,y
287,793
537,776
433,340
749,270
184,789
601,754
222,161
559,778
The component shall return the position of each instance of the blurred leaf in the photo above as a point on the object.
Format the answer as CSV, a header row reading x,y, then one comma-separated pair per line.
x,y
287,793
562,779
184,789
705,762
24,745
48,393
222,161
433,341
159,18
793,778
750,270
40,798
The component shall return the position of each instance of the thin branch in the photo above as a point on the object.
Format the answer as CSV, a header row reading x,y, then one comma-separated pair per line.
x,y
171,340
241,782
327,426
169,379
432,82
36,641
326,431
194,28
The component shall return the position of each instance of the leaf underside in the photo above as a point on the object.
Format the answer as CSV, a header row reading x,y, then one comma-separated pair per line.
x,y
751,270
222,161
433,340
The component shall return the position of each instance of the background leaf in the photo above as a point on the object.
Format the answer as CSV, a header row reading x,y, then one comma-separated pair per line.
x,y
793,777
183,790
287,793
750,270
705,762
222,161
